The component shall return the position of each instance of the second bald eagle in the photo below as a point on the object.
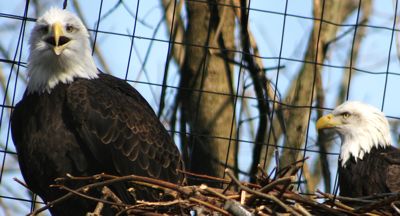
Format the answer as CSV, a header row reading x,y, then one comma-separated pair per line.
x,y
368,164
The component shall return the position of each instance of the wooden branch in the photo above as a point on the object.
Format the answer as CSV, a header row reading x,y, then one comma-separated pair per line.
x,y
209,205
259,83
262,195
208,200
380,203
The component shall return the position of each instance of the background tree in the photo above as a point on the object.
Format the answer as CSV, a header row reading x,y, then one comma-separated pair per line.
x,y
219,75
206,90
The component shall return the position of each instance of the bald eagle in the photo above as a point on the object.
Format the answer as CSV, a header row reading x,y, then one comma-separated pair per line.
x,y
368,162
74,119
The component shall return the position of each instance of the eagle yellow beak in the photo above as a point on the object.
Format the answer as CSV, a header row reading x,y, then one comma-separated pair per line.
x,y
60,40
327,121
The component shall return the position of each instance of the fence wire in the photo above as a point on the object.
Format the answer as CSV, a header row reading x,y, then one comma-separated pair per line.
x,y
138,41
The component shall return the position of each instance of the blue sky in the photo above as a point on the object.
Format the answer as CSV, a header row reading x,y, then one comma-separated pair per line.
x,y
265,23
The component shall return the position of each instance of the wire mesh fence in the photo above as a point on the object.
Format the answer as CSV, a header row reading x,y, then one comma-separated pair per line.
x,y
236,83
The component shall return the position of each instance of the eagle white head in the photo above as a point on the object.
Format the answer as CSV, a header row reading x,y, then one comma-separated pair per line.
x,y
361,127
59,51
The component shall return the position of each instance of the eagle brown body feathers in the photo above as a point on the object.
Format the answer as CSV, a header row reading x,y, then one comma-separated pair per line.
x,y
378,172
88,127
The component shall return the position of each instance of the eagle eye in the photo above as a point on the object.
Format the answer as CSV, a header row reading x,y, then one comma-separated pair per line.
x,y
70,28
345,115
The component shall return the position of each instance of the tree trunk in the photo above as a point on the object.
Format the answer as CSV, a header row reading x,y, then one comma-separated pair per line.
x,y
207,98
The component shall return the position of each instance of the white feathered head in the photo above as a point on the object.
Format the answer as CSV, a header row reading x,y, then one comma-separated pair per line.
x,y
59,51
361,127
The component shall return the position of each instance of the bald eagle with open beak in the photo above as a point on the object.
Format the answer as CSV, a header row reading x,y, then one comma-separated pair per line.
x,y
368,163
75,120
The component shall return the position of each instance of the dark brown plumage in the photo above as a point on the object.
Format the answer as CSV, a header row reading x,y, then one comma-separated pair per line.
x,y
377,172
74,119
88,127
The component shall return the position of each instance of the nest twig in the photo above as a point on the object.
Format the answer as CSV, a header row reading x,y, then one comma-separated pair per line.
x,y
270,197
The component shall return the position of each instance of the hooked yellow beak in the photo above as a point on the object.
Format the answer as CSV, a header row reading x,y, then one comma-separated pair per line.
x,y
58,33
328,121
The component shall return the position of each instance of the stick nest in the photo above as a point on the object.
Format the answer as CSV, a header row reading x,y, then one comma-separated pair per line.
x,y
269,196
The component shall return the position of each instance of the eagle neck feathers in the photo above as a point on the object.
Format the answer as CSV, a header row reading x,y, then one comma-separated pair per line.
x,y
45,72
361,141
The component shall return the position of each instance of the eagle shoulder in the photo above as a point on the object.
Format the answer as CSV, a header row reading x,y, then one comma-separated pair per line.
x,y
115,121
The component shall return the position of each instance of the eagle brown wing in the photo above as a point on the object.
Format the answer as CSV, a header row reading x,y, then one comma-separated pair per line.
x,y
120,130
393,178
393,169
